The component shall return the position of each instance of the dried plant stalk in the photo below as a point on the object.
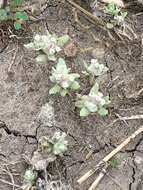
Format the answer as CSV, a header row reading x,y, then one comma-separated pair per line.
x,y
108,157
118,3
98,20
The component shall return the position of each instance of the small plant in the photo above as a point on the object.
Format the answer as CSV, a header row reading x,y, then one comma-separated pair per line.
x,y
15,13
95,69
49,44
64,81
116,162
30,175
57,145
118,15
93,102
112,9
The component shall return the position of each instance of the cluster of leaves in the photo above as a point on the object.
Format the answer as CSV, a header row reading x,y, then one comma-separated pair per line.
x,y
116,162
117,15
15,13
49,44
56,145
63,79
93,102
95,69
30,175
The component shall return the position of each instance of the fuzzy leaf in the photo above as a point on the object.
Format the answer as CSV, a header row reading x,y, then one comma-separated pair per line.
x,y
103,111
55,89
79,103
75,85
84,112
30,46
41,58
75,75
61,66
95,88
106,98
85,73
52,78
17,25
62,40
63,92
52,57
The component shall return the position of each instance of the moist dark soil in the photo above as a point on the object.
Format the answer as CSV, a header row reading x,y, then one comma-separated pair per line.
x,y
24,89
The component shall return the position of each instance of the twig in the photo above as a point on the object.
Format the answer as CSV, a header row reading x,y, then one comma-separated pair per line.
x,y
13,60
4,181
125,118
107,158
98,20
77,20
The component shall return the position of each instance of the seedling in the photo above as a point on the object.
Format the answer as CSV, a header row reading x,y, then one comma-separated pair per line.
x,y
116,162
15,13
55,146
64,81
95,69
118,16
49,44
93,102
112,9
30,175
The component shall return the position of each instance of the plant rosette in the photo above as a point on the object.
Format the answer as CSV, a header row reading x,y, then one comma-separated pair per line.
x,y
95,69
64,81
93,102
49,44
56,145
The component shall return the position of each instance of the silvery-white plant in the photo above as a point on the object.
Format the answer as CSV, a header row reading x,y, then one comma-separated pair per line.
x,y
93,102
49,44
56,145
95,69
64,80
30,174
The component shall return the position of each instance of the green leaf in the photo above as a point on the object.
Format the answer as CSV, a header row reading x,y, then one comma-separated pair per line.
x,y
79,103
61,66
41,58
84,112
3,12
16,3
52,57
9,17
30,46
55,89
124,14
62,40
75,75
63,92
85,73
75,85
103,111
3,17
19,9
7,9
106,98
116,162
95,88
52,78
17,25
109,25
21,16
